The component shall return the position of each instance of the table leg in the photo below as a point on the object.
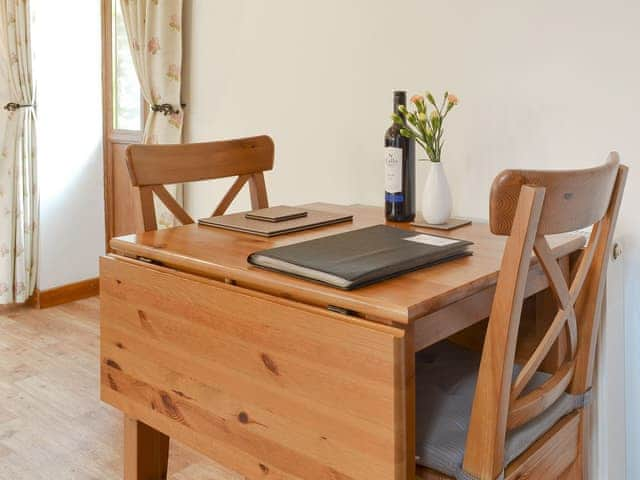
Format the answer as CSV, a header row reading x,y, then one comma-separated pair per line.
x,y
410,401
146,451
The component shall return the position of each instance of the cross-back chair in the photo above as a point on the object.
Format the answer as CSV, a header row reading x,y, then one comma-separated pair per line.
x,y
151,167
523,423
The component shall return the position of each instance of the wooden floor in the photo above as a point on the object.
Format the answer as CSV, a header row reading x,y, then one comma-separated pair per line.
x,y
52,422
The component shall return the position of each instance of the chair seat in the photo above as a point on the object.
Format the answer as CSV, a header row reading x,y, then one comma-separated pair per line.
x,y
446,377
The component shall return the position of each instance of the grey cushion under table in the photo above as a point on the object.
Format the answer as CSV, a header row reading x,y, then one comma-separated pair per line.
x,y
446,377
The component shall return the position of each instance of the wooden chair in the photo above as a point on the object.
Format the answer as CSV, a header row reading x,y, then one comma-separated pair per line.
x,y
546,413
153,166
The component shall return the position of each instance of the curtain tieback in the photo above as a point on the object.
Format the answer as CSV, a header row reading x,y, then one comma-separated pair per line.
x,y
12,106
166,109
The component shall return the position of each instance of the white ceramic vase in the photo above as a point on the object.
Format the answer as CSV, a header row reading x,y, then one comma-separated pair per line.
x,y
436,197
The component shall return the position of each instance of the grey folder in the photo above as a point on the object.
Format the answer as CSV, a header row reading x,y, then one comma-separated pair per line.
x,y
361,257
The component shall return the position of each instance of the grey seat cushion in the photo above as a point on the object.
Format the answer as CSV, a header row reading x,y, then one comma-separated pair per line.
x,y
446,377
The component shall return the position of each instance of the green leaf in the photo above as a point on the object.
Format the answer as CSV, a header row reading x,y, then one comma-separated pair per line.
x,y
397,119
405,132
429,136
413,120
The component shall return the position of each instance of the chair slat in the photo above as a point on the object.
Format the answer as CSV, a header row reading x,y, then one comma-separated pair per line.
x,y
258,191
574,199
173,206
550,265
167,164
146,212
585,263
529,406
539,354
231,194
558,285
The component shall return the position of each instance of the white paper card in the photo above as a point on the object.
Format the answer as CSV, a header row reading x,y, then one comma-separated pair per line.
x,y
432,240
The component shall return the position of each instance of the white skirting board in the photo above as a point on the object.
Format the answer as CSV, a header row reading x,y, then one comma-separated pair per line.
x,y
608,446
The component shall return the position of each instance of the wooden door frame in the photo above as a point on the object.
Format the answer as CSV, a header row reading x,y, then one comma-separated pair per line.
x,y
110,135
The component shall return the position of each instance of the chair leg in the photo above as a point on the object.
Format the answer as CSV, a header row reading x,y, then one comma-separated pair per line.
x,y
574,472
580,468
146,451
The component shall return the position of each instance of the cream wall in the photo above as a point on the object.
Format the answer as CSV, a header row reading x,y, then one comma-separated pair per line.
x,y
543,84
69,70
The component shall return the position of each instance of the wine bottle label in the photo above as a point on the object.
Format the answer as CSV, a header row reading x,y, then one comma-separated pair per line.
x,y
393,197
393,169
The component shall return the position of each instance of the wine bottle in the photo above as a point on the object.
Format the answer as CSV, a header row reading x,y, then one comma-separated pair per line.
x,y
400,170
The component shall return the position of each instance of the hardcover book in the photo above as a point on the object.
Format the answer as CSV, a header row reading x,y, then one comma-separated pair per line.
x,y
241,222
361,257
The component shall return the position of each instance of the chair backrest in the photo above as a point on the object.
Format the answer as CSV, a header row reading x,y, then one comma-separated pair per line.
x,y
153,166
526,206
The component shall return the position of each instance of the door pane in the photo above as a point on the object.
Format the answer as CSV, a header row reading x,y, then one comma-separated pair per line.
x,y
127,104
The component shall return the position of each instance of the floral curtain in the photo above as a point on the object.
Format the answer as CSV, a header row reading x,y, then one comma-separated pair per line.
x,y
18,189
154,28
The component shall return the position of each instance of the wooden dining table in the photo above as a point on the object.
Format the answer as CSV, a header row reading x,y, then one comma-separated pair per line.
x,y
276,377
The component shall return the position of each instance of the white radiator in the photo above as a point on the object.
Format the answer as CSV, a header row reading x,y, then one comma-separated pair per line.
x,y
608,447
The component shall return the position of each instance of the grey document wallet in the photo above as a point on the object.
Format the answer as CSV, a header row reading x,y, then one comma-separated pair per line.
x,y
361,257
